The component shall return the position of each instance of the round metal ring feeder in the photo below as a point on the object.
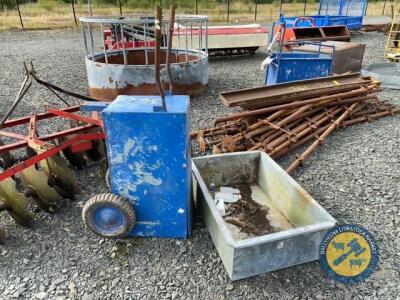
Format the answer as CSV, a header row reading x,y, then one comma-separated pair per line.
x,y
120,55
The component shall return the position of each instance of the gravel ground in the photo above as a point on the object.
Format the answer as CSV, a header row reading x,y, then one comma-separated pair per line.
x,y
355,175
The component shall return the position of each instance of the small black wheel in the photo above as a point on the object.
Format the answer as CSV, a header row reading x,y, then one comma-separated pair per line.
x,y
109,215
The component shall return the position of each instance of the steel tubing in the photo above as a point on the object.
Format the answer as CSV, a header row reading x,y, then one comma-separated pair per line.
x,y
298,161
358,92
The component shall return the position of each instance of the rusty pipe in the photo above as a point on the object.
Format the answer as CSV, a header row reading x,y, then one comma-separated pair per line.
x,y
279,136
298,161
311,136
211,130
346,101
323,99
372,116
279,124
300,142
272,117
271,137
158,38
169,47
301,130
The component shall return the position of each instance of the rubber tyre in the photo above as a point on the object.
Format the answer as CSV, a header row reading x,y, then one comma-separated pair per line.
x,y
107,180
108,201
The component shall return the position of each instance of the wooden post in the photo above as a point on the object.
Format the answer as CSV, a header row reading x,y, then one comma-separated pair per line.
x,y
305,7
255,11
90,7
227,18
120,7
19,13
197,7
280,8
73,11
392,11
384,7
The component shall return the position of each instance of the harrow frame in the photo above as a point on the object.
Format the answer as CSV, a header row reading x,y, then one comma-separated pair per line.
x,y
78,143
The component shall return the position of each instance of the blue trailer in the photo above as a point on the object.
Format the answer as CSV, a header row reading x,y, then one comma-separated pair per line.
x,y
293,66
331,13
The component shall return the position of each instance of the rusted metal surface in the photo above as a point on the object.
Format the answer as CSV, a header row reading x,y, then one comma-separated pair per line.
x,y
348,57
319,101
278,129
158,37
384,27
285,92
107,81
128,66
45,175
169,47
336,123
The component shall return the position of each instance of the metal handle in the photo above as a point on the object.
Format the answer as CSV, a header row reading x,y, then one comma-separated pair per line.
x,y
169,47
158,31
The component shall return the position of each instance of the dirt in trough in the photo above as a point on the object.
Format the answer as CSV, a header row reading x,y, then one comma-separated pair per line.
x,y
247,214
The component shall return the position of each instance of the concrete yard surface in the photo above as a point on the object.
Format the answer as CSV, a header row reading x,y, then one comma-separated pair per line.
x,y
355,176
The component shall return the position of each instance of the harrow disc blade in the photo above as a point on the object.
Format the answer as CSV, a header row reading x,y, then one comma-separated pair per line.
x,y
97,152
76,159
37,185
5,159
61,177
15,202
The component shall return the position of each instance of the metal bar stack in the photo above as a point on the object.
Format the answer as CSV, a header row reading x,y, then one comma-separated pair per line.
x,y
280,118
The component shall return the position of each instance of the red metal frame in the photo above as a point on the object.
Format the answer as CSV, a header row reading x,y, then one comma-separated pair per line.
x,y
112,44
80,142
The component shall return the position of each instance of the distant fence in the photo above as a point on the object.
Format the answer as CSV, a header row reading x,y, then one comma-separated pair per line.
x,y
251,7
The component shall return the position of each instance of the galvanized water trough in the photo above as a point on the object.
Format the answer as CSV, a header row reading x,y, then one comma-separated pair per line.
x,y
120,55
298,221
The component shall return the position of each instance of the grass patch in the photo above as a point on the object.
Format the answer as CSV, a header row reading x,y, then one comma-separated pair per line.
x,y
54,14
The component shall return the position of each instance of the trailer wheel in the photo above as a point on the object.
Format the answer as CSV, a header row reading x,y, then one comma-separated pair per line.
x,y
109,215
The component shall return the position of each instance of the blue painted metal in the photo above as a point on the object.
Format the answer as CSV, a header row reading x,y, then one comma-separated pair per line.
x,y
352,22
93,106
293,66
149,158
108,219
333,12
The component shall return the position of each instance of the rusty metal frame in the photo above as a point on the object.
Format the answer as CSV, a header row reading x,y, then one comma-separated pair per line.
x,y
252,98
41,142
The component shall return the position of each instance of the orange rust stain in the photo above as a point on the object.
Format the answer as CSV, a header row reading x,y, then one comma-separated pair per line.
x,y
107,94
139,58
